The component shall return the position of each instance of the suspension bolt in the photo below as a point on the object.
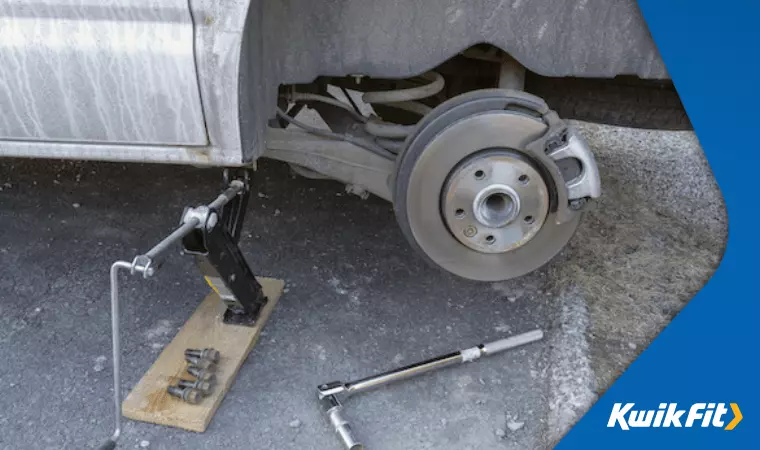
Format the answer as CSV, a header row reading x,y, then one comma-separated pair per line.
x,y
188,395
201,363
203,386
209,354
201,374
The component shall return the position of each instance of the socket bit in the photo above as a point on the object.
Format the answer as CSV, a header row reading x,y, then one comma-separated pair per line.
x,y
201,374
210,354
202,363
203,386
188,395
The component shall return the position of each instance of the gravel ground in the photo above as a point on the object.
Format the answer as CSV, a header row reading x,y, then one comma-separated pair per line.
x,y
357,301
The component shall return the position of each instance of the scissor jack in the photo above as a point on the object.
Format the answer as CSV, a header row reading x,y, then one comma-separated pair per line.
x,y
211,233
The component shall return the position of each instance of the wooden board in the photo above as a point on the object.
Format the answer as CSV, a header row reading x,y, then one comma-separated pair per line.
x,y
149,401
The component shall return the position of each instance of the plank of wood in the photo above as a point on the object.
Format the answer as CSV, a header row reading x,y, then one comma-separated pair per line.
x,y
149,401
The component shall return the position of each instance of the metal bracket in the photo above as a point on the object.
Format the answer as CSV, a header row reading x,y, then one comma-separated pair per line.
x,y
214,242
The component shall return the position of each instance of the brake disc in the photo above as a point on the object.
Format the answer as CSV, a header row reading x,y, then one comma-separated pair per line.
x,y
476,190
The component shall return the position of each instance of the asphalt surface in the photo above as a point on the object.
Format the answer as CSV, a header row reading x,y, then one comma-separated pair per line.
x,y
357,301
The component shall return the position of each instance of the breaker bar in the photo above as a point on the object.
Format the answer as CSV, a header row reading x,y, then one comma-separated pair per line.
x,y
332,395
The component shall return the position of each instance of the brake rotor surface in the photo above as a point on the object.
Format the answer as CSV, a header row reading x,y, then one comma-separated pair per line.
x,y
490,226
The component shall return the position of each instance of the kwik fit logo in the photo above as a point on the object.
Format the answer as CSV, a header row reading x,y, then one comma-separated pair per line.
x,y
669,415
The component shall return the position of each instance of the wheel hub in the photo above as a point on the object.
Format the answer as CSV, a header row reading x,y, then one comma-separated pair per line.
x,y
495,201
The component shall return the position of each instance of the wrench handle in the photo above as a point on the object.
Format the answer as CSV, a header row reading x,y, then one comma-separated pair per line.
x,y
512,342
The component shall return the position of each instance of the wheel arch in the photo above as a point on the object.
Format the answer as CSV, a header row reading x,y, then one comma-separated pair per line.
x,y
295,41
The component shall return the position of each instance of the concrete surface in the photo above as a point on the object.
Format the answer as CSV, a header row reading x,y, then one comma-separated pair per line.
x,y
357,301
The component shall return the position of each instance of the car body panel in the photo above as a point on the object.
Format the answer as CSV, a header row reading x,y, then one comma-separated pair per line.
x,y
401,38
99,71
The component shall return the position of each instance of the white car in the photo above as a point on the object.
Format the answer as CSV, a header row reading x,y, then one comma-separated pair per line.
x,y
432,105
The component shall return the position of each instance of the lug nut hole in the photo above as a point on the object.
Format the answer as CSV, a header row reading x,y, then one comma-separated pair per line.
x,y
459,213
523,179
479,174
529,219
490,239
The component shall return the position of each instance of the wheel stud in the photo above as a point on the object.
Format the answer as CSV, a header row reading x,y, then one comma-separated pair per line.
x,y
470,231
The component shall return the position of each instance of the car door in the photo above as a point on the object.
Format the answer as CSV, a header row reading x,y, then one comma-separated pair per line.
x,y
99,71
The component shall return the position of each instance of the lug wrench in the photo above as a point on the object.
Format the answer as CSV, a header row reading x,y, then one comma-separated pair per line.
x,y
331,395
199,217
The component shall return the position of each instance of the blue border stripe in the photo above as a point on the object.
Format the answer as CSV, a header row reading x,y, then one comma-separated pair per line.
x,y
709,352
